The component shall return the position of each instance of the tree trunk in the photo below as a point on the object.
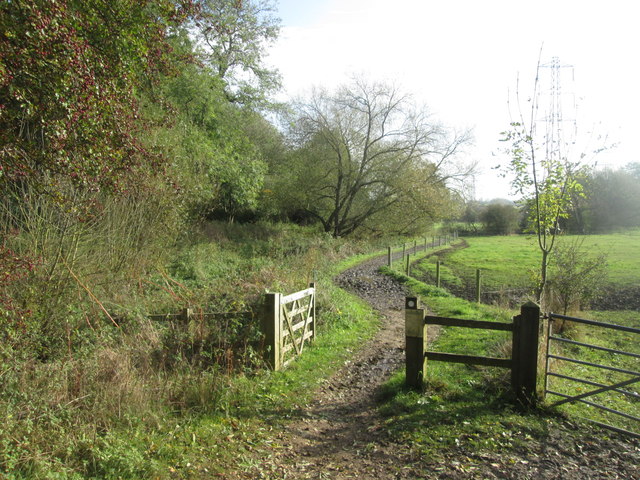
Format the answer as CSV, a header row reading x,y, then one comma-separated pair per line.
x,y
543,279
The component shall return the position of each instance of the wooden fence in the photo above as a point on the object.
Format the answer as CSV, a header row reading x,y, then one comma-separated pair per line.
x,y
288,323
405,256
524,358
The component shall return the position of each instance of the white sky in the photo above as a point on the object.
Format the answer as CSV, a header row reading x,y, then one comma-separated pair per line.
x,y
461,58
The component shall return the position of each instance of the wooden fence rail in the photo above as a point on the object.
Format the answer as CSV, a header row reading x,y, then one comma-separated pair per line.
x,y
523,362
403,256
186,314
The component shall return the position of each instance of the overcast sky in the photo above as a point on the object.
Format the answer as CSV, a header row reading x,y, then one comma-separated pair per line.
x,y
462,57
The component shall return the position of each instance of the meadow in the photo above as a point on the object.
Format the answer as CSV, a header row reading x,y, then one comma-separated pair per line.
x,y
511,263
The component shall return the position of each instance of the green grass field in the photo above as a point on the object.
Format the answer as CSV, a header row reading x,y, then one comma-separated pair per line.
x,y
508,262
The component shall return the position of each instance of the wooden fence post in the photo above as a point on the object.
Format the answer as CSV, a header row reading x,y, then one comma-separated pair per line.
x,y
389,257
524,371
408,267
415,245
314,323
478,279
404,249
185,314
438,273
271,329
415,343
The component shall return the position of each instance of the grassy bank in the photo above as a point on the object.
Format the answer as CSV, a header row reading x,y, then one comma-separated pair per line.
x,y
166,400
462,407
471,408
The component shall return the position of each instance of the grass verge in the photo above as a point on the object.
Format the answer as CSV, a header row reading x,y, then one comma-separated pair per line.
x,y
218,423
464,409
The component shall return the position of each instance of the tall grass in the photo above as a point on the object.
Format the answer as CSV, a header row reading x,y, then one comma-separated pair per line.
x,y
79,383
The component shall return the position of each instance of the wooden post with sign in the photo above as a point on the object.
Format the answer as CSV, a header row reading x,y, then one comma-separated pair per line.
x,y
415,343
524,372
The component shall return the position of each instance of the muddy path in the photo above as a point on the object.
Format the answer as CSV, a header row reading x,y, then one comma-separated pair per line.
x,y
341,435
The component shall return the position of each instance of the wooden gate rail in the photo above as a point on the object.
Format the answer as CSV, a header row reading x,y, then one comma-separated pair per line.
x,y
288,323
523,362
600,388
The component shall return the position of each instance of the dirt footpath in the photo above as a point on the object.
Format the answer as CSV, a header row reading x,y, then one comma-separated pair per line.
x,y
342,436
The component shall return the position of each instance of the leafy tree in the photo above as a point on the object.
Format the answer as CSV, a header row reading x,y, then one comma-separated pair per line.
x,y
577,276
613,200
69,71
500,218
233,35
217,167
364,150
470,215
218,148
545,175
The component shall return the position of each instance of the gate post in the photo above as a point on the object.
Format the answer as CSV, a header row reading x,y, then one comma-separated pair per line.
x,y
524,370
415,343
271,329
314,323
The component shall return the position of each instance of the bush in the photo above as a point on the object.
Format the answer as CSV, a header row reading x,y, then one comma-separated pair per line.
x,y
576,276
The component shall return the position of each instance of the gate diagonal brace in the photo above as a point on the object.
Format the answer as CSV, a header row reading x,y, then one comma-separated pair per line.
x,y
290,326
597,391
306,323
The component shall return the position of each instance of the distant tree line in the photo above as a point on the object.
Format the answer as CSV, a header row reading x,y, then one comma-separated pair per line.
x,y
609,201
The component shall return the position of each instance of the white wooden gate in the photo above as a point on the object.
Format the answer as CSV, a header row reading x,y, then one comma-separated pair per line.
x,y
288,324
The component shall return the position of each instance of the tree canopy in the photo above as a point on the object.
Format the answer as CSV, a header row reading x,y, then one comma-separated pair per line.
x,y
364,150
233,36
